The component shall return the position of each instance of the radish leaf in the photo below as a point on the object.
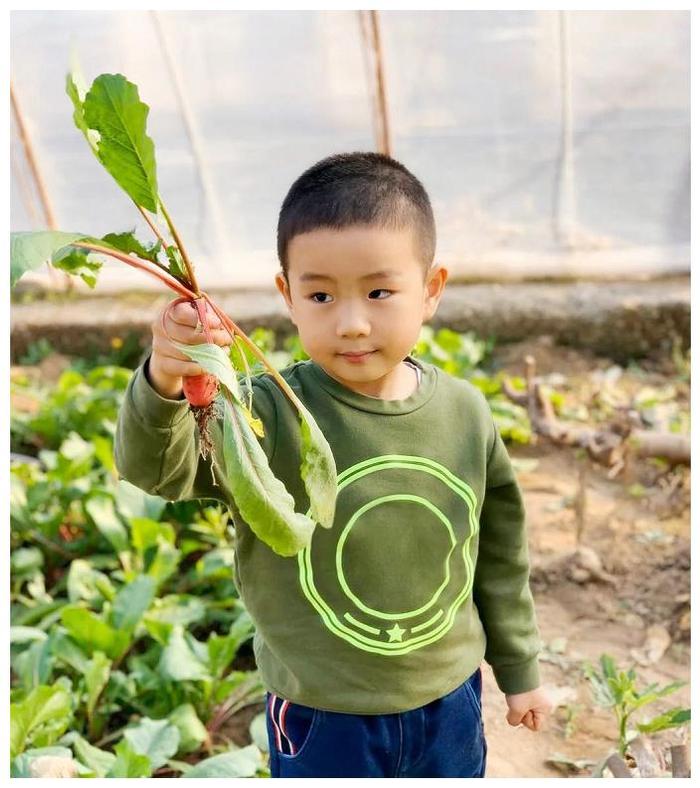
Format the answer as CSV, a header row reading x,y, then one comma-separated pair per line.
x,y
260,496
30,250
128,242
112,107
75,89
318,470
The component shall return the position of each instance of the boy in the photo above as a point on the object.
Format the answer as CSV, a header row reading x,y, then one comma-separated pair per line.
x,y
370,641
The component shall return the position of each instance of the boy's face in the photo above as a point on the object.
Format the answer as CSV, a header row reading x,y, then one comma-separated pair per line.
x,y
360,290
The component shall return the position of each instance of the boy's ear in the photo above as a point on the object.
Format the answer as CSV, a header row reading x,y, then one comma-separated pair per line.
x,y
283,286
434,287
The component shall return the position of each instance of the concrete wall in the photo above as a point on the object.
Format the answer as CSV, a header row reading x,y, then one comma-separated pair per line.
x,y
550,143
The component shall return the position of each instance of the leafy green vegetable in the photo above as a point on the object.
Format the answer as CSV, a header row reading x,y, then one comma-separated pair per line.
x,y
30,250
261,497
39,719
112,107
158,740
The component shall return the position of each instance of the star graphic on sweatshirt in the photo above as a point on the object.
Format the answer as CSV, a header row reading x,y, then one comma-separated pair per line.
x,y
396,633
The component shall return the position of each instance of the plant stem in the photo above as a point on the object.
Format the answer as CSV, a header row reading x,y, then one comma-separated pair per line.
x,y
142,265
181,247
233,330
153,227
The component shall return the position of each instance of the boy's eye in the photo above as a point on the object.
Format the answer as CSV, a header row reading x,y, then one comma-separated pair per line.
x,y
320,298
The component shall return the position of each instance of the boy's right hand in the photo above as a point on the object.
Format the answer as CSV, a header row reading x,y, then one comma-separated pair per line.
x,y
168,365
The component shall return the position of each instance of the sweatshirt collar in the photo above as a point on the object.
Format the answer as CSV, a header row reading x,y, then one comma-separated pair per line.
x,y
418,398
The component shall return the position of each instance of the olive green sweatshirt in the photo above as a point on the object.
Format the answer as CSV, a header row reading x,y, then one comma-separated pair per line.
x,y
425,570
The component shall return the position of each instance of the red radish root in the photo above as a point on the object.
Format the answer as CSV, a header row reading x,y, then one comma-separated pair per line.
x,y
200,390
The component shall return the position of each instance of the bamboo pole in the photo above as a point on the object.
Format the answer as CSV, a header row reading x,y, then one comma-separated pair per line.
x,y
371,36
56,278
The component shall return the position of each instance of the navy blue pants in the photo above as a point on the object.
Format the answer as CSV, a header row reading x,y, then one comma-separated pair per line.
x,y
444,738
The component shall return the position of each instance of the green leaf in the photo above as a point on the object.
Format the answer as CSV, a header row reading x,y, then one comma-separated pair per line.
x,y
158,740
214,360
26,634
112,107
26,560
238,763
176,263
165,562
29,250
146,532
193,733
130,244
129,763
669,719
78,262
91,632
34,664
133,502
100,507
178,662
96,679
222,648
132,601
317,470
87,583
40,718
66,650
258,732
99,761
76,90
260,496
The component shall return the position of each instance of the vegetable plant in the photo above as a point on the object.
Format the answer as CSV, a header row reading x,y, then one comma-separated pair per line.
x,y
112,119
617,689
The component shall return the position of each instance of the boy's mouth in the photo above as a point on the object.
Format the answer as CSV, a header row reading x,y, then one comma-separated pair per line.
x,y
357,356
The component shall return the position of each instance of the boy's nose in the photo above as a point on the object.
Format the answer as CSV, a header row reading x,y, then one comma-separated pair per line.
x,y
352,323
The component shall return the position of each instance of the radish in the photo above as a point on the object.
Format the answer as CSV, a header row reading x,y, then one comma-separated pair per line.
x,y
199,390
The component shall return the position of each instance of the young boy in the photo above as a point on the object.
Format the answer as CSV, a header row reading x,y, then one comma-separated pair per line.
x,y
369,642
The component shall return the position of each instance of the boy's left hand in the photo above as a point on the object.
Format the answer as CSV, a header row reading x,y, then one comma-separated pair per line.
x,y
528,708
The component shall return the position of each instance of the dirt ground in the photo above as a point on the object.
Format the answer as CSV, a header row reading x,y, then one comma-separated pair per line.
x,y
643,542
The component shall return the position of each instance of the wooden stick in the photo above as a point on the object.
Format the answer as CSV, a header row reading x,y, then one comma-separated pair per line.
x,y
373,43
55,276
680,760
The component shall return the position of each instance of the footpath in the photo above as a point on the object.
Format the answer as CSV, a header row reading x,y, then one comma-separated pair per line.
x,y
617,319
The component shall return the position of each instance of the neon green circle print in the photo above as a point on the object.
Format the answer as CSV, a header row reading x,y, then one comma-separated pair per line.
x,y
342,606
346,531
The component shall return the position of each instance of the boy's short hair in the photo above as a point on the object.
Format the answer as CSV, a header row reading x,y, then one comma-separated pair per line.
x,y
350,189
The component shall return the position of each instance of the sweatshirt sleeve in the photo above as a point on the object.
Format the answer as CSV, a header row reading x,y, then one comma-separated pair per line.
x,y
501,582
156,445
